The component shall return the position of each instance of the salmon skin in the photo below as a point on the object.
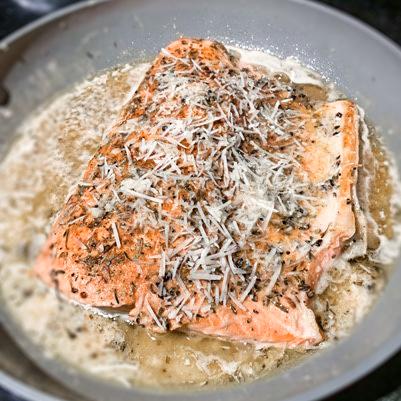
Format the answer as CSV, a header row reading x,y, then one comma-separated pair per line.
x,y
218,199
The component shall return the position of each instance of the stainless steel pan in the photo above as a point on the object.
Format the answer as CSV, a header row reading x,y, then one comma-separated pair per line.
x,y
51,54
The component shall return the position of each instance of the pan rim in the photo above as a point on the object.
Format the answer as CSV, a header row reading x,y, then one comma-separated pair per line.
x,y
20,389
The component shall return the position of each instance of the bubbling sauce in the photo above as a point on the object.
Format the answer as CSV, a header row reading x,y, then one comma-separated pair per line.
x,y
53,147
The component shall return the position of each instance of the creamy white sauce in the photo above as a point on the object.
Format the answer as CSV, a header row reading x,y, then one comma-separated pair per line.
x,y
54,146
297,73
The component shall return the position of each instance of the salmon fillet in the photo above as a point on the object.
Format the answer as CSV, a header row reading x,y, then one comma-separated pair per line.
x,y
218,199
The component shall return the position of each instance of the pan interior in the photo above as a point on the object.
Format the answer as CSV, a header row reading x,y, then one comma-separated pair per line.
x,y
58,57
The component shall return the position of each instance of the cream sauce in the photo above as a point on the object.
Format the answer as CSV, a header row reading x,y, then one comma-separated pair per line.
x,y
54,145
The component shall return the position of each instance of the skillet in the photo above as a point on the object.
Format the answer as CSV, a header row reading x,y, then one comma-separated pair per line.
x,y
362,63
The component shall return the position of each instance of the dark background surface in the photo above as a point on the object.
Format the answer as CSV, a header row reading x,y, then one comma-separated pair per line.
x,y
384,384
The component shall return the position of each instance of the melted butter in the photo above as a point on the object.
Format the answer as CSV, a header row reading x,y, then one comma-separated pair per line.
x,y
54,145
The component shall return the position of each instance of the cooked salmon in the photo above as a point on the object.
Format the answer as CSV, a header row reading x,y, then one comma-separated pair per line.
x,y
216,202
